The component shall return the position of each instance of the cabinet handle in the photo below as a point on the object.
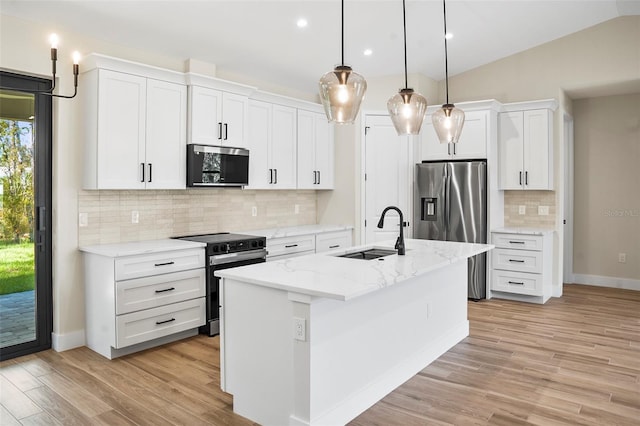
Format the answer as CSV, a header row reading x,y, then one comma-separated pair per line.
x,y
526,178
516,242
516,282
520,178
270,175
516,261
315,177
448,149
165,264
219,130
455,150
276,175
164,322
142,168
291,246
165,290
225,131
318,177
150,172
336,246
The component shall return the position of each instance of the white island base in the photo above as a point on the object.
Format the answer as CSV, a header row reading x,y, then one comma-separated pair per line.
x,y
353,352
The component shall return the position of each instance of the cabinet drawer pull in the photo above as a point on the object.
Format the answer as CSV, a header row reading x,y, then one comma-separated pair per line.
x,y
516,260
516,242
165,290
516,282
165,264
336,246
291,245
164,322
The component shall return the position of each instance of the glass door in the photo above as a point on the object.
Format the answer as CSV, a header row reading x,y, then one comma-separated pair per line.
x,y
25,219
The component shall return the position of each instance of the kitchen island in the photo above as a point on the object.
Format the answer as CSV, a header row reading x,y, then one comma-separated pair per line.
x,y
318,339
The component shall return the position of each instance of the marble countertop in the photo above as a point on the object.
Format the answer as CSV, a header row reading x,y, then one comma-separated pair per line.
x,y
292,231
140,247
325,275
524,231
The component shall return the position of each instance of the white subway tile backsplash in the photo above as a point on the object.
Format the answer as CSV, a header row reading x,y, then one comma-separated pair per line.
x,y
164,214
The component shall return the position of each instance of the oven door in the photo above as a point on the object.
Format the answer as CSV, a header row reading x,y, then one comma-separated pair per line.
x,y
217,166
212,327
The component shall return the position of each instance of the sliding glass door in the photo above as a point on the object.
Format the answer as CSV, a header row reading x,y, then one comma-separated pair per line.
x,y
25,215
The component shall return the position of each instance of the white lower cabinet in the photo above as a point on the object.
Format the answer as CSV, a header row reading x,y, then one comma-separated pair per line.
x,y
521,266
137,301
333,241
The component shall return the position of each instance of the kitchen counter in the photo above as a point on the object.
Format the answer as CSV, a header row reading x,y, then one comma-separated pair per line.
x,y
139,247
292,231
317,339
325,275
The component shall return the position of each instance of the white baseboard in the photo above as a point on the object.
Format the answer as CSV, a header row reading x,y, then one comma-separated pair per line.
x,y
64,342
613,282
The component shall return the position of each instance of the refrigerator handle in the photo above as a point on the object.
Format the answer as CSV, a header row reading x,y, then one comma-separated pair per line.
x,y
447,207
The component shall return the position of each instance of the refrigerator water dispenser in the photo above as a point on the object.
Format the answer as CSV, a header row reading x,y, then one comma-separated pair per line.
x,y
429,209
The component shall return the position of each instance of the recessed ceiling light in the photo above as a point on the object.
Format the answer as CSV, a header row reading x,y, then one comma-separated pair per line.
x,y
448,36
368,52
302,23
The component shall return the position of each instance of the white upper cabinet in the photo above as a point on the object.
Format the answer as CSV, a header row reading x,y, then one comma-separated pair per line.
x,y
217,117
525,147
472,144
315,151
272,146
134,131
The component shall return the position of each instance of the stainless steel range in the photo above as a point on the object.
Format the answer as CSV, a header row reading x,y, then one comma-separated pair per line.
x,y
224,251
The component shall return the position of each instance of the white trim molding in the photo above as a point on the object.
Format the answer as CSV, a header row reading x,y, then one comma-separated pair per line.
x,y
613,282
64,342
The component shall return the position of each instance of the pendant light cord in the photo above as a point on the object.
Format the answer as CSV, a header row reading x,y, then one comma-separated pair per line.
x,y
342,32
404,26
446,60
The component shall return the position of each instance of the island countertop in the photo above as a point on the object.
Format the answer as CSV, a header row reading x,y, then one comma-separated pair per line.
x,y
326,275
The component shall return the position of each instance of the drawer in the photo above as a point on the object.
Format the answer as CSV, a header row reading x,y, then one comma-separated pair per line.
x,y
150,292
517,260
516,282
291,245
333,241
144,265
141,326
517,241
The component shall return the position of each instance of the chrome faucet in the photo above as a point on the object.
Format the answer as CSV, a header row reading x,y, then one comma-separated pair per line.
x,y
400,241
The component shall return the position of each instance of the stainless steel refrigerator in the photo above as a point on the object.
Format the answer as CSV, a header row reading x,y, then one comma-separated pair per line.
x,y
451,205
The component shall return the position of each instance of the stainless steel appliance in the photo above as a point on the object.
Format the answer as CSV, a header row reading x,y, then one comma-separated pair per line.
x,y
451,205
217,166
225,250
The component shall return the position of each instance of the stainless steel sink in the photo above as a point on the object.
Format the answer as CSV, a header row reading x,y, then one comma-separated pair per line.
x,y
369,254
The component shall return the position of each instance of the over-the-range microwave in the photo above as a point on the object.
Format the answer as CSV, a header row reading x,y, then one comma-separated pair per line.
x,y
209,165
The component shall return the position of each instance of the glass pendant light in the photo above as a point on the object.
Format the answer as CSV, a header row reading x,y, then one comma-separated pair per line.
x,y
342,90
448,120
407,108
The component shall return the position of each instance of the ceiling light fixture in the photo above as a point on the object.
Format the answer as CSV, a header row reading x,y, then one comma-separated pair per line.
x,y
302,23
407,108
342,90
53,39
448,120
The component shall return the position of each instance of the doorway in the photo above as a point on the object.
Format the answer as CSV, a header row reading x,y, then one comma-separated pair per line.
x,y
25,215
388,177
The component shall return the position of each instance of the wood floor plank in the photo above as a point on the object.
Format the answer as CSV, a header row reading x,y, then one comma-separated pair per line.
x,y
572,361
6,418
15,401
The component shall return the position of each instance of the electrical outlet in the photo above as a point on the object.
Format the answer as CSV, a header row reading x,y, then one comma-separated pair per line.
x,y
254,211
622,257
300,329
135,216
83,219
543,210
522,209
296,209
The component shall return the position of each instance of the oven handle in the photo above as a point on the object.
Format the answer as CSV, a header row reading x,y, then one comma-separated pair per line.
x,y
221,259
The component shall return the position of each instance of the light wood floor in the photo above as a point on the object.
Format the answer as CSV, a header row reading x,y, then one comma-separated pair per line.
x,y
573,361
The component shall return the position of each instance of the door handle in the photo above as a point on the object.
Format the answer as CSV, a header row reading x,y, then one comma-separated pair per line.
x,y
520,178
526,178
270,176
219,130
318,177
226,132
315,177
276,176
142,168
150,173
